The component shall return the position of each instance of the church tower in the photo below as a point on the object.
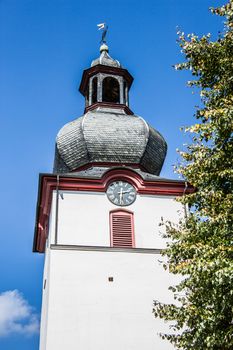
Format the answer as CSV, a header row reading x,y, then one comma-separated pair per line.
x,y
97,223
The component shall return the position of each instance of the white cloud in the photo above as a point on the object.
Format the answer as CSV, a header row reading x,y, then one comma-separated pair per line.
x,y
16,315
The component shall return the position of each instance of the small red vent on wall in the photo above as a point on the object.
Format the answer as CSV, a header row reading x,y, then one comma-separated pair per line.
x,y
122,229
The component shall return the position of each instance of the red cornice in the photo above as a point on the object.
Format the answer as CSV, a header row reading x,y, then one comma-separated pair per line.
x,y
49,183
126,109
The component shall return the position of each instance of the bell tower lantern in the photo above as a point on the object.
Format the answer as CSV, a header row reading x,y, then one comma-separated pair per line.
x,y
106,83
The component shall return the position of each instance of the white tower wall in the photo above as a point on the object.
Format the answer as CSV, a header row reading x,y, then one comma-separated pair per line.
x,y
82,309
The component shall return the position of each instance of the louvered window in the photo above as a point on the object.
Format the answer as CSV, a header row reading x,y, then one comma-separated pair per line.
x,y
122,229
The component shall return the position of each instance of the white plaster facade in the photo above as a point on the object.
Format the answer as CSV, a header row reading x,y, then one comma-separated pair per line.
x,y
83,219
81,308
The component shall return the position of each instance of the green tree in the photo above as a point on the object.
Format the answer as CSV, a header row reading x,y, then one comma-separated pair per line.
x,y
201,247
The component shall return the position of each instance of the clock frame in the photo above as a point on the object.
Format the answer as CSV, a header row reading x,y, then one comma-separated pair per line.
x,y
121,193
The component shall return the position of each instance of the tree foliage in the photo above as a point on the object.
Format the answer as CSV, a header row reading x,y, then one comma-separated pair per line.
x,y
201,247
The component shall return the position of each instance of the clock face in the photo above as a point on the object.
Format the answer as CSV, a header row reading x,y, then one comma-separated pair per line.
x,y
121,193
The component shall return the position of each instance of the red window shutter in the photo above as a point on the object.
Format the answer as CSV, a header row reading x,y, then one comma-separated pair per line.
x,y
122,229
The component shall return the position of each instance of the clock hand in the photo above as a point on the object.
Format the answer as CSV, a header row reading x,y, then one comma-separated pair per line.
x,y
123,192
121,195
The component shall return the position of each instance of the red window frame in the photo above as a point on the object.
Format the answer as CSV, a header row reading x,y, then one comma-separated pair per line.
x,y
122,228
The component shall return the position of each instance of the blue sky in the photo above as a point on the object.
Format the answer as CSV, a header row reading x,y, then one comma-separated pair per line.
x,y
45,45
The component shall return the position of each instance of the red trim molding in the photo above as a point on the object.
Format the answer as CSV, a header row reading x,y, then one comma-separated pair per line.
x,y
49,183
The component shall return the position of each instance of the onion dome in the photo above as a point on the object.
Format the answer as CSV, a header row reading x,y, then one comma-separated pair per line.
x,y
108,132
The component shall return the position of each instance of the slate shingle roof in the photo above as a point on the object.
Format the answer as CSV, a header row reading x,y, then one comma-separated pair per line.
x,y
111,136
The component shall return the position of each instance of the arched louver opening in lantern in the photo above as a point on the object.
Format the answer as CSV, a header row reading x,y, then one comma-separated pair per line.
x,y
94,90
111,90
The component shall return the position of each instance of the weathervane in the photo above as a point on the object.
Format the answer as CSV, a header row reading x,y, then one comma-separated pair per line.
x,y
104,28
